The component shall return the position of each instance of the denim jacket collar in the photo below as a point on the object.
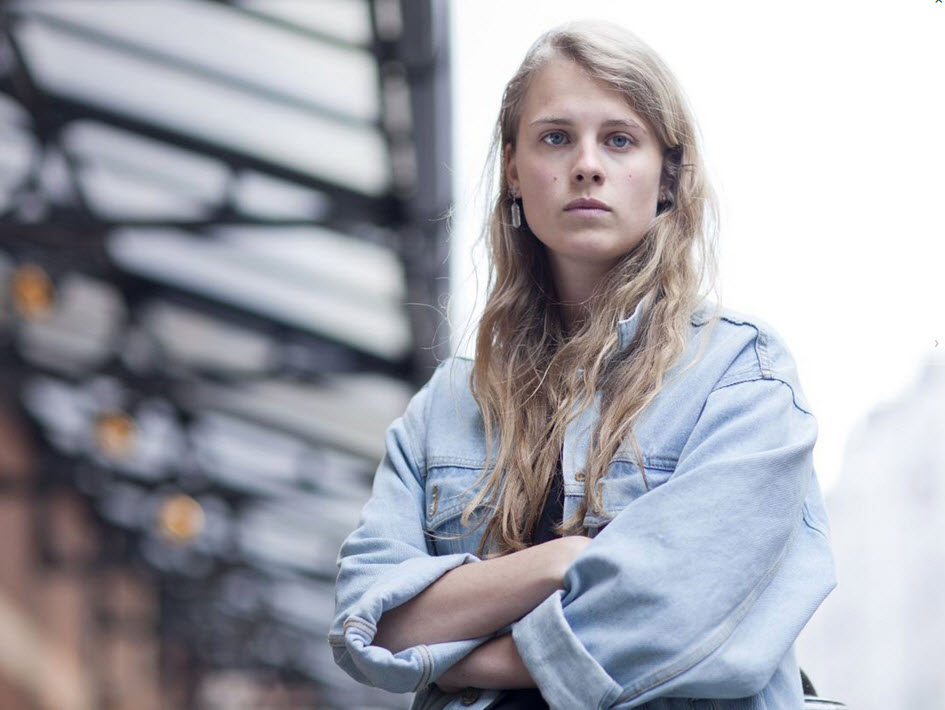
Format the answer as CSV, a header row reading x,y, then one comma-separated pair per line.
x,y
627,327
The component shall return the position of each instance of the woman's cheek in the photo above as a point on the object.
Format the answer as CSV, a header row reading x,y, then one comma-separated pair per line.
x,y
547,178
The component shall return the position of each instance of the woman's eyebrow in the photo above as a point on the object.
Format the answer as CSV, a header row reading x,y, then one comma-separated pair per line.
x,y
609,123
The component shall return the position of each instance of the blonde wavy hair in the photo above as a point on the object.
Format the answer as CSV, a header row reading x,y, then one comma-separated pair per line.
x,y
531,377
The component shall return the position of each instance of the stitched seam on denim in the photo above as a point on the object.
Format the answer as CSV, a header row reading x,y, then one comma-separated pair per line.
x,y
360,624
411,454
760,344
809,523
738,321
714,641
601,703
426,667
735,378
355,620
361,631
608,699
454,461
761,350
769,379
444,515
658,463
423,671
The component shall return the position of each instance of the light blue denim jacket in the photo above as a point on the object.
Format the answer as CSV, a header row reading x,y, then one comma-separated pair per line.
x,y
703,570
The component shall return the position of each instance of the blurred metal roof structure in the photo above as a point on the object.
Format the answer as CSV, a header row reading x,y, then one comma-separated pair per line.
x,y
222,274
167,126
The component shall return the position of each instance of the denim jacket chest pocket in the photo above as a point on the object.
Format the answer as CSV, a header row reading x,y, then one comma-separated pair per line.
x,y
624,483
447,492
450,487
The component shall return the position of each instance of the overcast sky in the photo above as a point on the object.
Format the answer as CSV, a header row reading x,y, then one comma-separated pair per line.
x,y
824,128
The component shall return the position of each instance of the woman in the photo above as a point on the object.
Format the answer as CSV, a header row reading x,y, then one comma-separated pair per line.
x,y
614,505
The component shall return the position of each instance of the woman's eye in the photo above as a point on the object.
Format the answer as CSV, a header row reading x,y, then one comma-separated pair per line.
x,y
620,141
555,138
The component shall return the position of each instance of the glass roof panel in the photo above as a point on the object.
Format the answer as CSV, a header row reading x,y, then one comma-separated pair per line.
x,y
351,413
237,275
365,271
264,196
348,20
17,148
350,154
114,195
233,44
143,161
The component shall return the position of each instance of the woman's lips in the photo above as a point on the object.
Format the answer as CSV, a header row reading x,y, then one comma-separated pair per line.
x,y
586,206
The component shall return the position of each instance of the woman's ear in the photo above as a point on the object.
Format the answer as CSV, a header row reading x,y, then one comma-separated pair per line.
x,y
511,171
669,180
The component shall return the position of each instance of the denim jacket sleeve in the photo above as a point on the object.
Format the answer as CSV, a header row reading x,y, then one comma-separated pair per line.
x,y
385,562
699,587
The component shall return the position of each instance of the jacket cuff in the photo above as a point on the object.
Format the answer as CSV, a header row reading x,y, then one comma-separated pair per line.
x,y
413,668
558,662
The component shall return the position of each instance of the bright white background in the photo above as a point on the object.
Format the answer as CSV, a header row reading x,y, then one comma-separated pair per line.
x,y
824,127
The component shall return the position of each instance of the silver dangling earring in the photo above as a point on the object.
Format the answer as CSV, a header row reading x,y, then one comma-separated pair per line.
x,y
516,210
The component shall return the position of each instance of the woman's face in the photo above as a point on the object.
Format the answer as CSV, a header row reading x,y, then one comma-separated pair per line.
x,y
578,139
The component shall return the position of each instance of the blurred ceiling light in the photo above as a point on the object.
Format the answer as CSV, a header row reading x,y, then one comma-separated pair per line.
x,y
147,444
115,434
80,332
180,518
33,293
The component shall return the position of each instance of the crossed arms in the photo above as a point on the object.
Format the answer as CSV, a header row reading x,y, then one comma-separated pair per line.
x,y
478,599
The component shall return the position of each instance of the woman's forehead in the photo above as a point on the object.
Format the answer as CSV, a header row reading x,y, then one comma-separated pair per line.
x,y
563,92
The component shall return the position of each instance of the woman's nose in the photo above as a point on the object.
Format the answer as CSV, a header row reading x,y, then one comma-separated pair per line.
x,y
587,167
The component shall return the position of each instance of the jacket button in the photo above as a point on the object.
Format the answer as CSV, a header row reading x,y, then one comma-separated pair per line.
x,y
469,696
579,476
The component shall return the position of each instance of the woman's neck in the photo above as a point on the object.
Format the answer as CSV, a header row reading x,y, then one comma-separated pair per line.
x,y
575,285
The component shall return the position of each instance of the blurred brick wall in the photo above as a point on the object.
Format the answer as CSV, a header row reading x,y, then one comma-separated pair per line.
x,y
79,634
